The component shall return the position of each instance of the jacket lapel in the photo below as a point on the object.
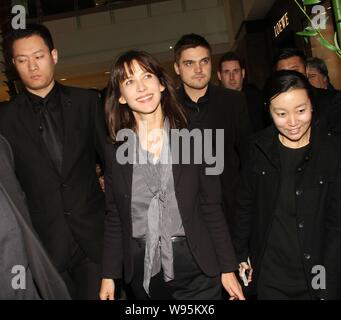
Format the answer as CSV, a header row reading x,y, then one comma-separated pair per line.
x,y
126,170
69,121
176,163
268,144
24,116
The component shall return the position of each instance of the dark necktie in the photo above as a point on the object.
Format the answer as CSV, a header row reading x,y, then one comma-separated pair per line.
x,y
52,140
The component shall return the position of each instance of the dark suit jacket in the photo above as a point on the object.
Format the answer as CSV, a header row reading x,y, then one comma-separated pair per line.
x,y
200,206
227,110
19,243
70,202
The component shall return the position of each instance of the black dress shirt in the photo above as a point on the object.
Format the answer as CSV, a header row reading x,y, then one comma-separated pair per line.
x,y
49,122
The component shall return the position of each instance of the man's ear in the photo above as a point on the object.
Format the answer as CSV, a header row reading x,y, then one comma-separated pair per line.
x,y
122,100
243,73
54,54
176,68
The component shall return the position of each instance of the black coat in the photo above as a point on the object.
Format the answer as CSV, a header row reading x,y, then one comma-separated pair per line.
x,y
318,205
226,110
200,206
71,200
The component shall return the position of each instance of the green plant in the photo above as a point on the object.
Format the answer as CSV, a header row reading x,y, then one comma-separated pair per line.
x,y
312,31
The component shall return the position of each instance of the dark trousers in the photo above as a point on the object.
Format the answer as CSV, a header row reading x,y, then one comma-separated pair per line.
x,y
189,283
82,276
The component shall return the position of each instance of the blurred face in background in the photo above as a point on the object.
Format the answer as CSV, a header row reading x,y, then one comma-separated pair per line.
x,y
231,75
293,63
291,112
317,79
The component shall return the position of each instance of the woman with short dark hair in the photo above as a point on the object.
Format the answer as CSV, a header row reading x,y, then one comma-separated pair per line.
x,y
288,220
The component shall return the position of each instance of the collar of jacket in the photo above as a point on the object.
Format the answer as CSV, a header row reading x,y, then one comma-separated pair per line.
x,y
267,142
51,101
189,103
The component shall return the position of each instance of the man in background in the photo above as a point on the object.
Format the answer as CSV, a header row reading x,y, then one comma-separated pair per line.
x,y
231,73
317,73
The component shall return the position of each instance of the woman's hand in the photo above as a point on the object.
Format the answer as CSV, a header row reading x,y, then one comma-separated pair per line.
x,y
232,286
107,291
245,272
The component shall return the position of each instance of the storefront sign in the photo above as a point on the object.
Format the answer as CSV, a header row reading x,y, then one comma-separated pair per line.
x,y
281,24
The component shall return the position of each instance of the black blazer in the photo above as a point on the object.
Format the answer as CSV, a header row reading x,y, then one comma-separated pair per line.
x,y
199,201
318,205
70,202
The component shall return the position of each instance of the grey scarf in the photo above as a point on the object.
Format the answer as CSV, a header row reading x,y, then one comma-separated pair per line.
x,y
158,249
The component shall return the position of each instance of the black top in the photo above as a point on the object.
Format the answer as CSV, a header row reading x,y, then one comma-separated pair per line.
x,y
197,110
282,266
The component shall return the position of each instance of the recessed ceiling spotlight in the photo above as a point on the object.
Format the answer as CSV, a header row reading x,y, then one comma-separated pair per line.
x,y
63,79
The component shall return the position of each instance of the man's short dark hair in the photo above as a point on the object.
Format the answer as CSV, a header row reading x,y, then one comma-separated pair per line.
x,y
188,41
30,30
230,56
287,53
